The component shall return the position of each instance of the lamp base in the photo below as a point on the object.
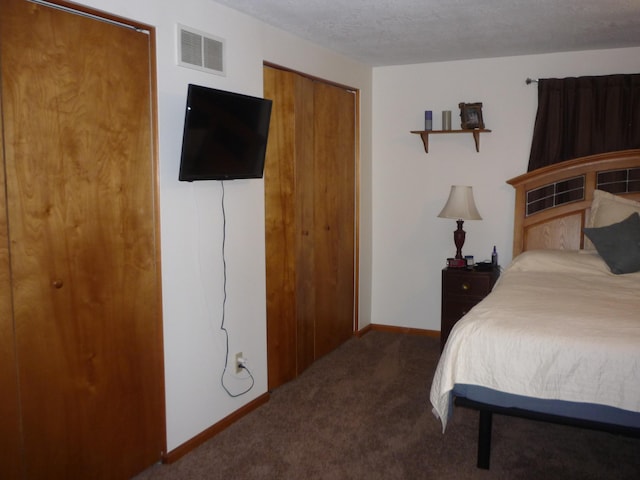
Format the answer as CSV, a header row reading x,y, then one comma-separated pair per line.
x,y
458,238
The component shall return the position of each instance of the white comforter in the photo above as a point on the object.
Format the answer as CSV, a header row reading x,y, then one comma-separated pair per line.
x,y
558,325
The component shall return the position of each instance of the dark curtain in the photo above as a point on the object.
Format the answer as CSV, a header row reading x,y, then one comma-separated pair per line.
x,y
584,116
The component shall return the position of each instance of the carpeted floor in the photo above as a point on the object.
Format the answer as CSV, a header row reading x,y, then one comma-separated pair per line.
x,y
362,412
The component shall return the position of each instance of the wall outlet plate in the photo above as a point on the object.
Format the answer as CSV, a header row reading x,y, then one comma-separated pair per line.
x,y
239,357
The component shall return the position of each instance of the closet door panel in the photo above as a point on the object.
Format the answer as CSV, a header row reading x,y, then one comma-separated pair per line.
x,y
305,206
334,215
10,446
289,225
280,228
80,188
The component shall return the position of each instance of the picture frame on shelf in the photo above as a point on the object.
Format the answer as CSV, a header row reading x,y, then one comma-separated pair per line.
x,y
471,116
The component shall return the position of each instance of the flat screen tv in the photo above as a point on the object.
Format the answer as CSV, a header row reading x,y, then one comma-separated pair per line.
x,y
225,135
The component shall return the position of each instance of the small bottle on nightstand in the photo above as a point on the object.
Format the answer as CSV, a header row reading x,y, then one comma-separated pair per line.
x,y
494,257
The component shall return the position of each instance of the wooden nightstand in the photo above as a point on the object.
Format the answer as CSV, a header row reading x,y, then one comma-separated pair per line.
x,y
461,289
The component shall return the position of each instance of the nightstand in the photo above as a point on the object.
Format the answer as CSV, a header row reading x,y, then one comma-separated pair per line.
x,y
462,288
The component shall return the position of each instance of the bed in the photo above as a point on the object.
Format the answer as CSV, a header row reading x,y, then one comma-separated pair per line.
x,y
558,338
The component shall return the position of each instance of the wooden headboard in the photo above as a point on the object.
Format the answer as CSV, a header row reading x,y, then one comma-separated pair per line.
x,y
553,203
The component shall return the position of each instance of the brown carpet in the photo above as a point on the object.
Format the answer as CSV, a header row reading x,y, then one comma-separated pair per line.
x,y
362,412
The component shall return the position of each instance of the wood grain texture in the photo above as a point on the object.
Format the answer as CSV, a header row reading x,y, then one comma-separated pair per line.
x,y
281,236
10,451
334,215
562,233
305,205
79,145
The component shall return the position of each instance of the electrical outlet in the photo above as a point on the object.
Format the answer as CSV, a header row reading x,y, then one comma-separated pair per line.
x,y
239,362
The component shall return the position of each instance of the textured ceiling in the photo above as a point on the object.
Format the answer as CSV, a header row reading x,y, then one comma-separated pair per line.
x,y
399,32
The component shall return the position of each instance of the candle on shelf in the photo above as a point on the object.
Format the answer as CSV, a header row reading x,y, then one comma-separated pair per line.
x,y
428,120
446,120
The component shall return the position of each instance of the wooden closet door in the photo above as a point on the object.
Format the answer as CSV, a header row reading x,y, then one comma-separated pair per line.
x,y
304,209
310,221
79,152
289,225
334,215
281,235
10,453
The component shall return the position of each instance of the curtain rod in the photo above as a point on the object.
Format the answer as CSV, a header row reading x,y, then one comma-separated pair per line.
x,y
529,81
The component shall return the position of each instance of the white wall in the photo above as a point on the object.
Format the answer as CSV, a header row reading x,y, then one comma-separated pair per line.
x,y
191,213
410,244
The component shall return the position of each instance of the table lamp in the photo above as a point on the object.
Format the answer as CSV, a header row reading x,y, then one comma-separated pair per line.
x,y
460,206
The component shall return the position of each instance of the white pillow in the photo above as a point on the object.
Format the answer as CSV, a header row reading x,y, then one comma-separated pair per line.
x,y
607,209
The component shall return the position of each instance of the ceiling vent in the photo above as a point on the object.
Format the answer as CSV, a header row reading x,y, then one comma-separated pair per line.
x,y
200,51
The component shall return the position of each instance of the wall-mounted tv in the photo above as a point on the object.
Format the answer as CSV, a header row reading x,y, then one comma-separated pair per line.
x,y
225,135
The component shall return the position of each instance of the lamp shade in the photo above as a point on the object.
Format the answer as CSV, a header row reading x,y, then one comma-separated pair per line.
x,y
460,204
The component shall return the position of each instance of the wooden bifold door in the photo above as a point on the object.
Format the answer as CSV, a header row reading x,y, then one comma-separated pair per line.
x,y
310,192
81,370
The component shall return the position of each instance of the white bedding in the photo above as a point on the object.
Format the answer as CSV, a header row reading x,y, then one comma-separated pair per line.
x,y
517,341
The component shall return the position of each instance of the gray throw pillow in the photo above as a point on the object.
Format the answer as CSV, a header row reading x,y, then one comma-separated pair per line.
x,y
619,244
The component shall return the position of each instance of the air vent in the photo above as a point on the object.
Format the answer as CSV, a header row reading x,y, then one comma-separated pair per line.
x,y
200,51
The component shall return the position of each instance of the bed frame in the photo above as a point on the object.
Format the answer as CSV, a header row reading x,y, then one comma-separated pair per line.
x,y
551,209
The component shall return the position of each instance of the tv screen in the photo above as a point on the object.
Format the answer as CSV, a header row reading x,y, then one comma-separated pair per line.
x,y
225,135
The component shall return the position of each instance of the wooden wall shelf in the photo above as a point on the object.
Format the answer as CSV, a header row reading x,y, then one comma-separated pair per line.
x,y
424,134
